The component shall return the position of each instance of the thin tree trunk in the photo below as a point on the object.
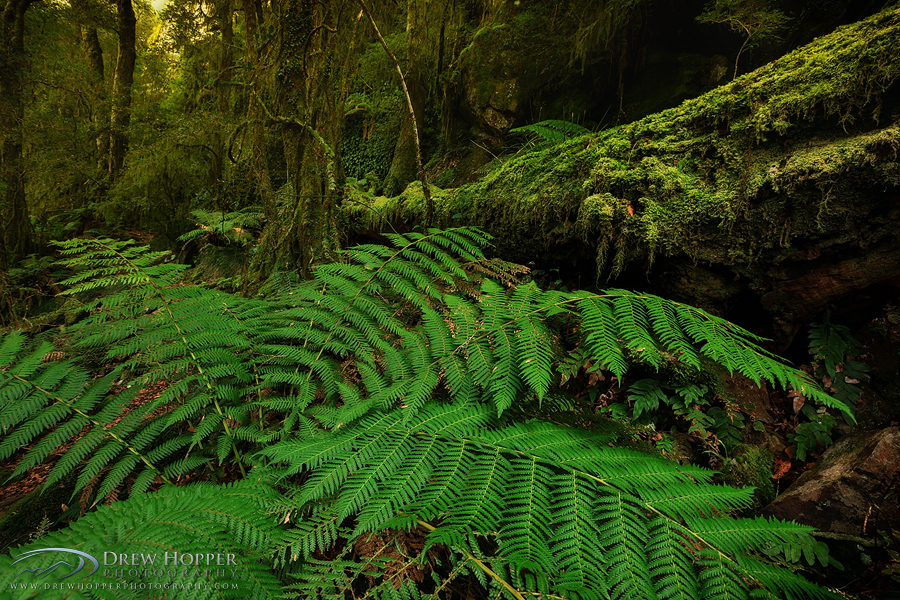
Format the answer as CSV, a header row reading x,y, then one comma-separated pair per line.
x,y
15,228
124,78
407,154
226,62
257,72
217,158
426,190
93,52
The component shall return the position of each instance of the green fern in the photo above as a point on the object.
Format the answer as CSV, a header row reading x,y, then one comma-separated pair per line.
x,y
191,521
568,514
832,347
390,387
551,131
220,228
543,134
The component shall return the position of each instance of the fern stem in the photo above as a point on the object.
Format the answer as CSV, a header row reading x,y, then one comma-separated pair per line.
x,y
396,574
492,574
96,423
447,580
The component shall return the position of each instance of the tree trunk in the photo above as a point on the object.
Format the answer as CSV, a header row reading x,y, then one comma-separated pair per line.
x,y
93,52
15,228
255,114
308,93
93,55
124,77
404,165
226,62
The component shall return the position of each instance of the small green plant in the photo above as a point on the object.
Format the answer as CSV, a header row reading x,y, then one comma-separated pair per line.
x,y
756,20
218,228
536,136
651,401
550,132
833,349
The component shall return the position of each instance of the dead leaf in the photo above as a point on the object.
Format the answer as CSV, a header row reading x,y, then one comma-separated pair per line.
x,y
781,467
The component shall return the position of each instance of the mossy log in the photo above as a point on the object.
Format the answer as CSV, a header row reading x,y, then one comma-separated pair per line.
x,y
786,179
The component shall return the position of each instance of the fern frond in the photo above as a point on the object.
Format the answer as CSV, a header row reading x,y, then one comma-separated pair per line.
x,y
192,521
551,131
548,495
381,396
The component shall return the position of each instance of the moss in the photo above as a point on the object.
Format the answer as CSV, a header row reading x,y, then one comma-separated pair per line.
x,y
377,212
791,154
752,467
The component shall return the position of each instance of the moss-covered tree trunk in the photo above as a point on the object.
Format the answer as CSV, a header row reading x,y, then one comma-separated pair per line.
x,y
404,166
15,228
258,73
310,88
120,119
226,66
90,42
93,55
782,186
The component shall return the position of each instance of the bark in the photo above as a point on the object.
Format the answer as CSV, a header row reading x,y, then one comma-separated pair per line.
x,y
124,78
93,52
15,229
93,55
226,62
90,42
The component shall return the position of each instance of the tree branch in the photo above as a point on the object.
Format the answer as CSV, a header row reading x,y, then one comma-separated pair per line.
x,y
329,153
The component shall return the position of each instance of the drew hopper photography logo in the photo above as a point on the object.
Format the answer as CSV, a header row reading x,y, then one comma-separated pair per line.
x,y
46,568
43,572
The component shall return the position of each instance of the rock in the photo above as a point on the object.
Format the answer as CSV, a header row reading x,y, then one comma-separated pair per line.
x,y
497,80
800,289
845,492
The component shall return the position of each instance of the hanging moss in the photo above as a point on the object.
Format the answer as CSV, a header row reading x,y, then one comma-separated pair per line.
x,y
798,152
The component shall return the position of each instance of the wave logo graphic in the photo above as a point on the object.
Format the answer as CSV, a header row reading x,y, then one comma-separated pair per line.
x,y
40,572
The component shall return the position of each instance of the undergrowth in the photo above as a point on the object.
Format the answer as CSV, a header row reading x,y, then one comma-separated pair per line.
x,y
390,428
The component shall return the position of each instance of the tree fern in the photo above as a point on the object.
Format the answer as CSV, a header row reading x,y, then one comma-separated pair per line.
x,y
383,395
